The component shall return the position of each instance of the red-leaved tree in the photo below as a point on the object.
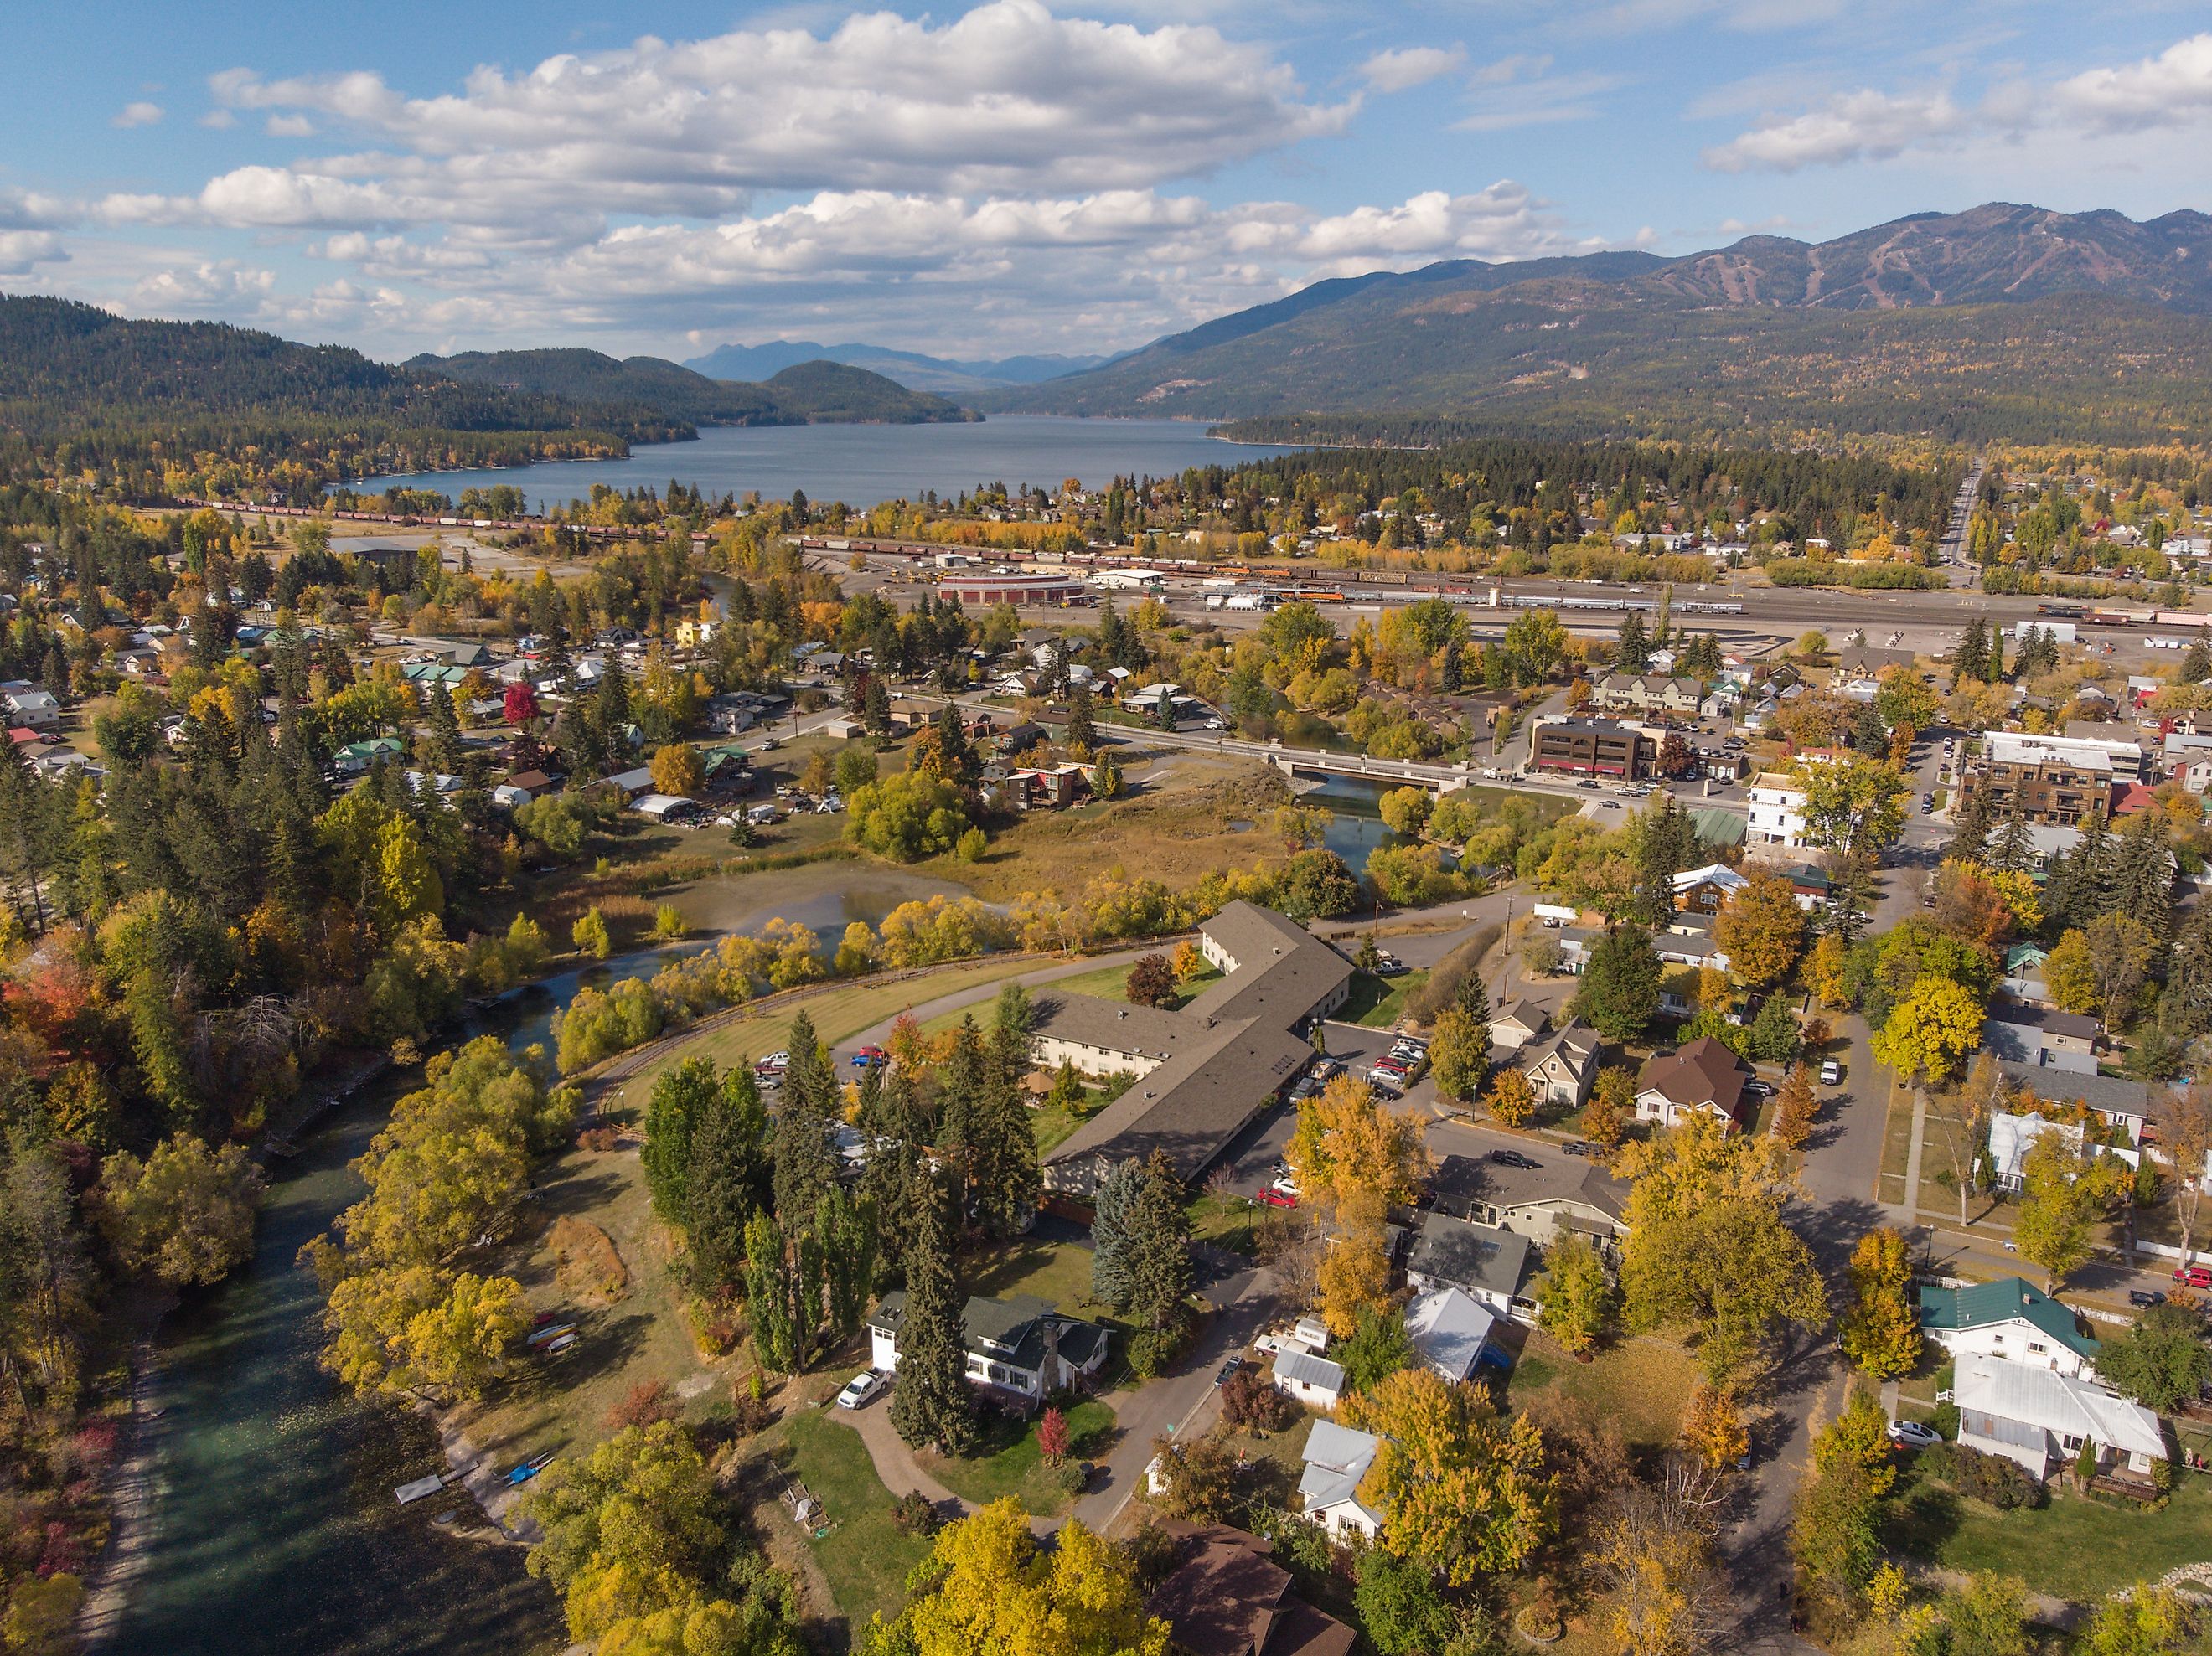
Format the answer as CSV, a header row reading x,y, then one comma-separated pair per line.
x,y
1052,1436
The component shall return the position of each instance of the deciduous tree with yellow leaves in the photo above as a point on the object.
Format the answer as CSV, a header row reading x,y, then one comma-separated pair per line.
x,y
1459,1489
1880,1332
1348,1141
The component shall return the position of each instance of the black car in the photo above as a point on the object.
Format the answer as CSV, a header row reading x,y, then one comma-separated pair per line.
x,y
1227,1369
1514,1159
1578,1147
2144,1297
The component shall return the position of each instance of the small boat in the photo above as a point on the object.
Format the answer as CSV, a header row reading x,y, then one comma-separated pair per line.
x,y
530,1468
420,1490
551,1331
554,1348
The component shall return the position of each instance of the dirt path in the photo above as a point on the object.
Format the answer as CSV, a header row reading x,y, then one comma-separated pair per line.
x,y
135,1491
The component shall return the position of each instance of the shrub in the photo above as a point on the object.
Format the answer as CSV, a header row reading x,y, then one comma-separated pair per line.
x,y
915,1514
1070,1475
1152,1352
647,1402
1945,1421
1249,1398
1990,1480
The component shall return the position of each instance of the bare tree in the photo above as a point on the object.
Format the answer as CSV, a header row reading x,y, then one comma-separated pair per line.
x,y
1978,1097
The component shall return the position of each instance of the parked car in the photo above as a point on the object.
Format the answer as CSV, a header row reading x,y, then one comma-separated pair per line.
x,y
1278,1198
1227,1369
1912,1435
2193,1276
1758,1089
1832,1072
1589,783
860,1389
1515,1159
1579,1146
2145,1297
868,1057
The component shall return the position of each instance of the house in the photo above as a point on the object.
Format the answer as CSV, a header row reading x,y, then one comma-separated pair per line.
x,y
1648,693
1810,885
1688,940
1706,890
355,757
1227,1596
1336,1459
1560,1196
530,783
35,709
1563,1068
1489,1266
2009,1318
1315,1381
632,783
1704,1074
1019,1347
1519,1024
1857,661
2023,977
2118,1102
2040,1039
2040,1418
2011,1136
1775,814
1451,1332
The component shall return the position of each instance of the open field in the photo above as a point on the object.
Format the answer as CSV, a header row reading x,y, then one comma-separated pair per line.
x,y
1378,1003
643,1336
1177,825
2075,1549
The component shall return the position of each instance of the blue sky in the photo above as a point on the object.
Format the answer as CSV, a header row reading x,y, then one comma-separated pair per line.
x,y
1009,176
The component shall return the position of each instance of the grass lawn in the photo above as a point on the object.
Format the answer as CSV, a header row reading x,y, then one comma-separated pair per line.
x,y
1057,1271
2074,1549
642,1337
1897,1143
864,1556
1224,1223
1378,1003
1008,1462
1640,1383
838,1014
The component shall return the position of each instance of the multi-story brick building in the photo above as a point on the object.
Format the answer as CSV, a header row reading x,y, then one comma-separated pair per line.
x,y
2054,778
1592,747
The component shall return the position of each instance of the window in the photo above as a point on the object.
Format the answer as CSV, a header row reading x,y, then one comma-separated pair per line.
x,y
2038,1350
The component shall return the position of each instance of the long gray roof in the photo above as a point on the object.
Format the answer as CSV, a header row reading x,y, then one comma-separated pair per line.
x,y
1194,1104
1283,971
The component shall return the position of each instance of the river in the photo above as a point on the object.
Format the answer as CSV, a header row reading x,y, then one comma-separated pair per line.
x,y
275,1530
862,465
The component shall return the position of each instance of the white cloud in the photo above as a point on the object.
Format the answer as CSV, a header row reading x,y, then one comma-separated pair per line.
x,y
220,119
1864,125
21,249
1520,91
1006,98
1411,66
216,287
137,114
2174,86
290,126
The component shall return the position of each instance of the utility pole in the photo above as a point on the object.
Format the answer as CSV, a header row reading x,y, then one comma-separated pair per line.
x,y
1505,970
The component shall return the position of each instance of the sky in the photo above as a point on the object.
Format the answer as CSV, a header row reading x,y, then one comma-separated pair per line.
x,y
1013,176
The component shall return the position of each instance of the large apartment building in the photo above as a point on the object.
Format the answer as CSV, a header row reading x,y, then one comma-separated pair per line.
x,y
1592,747
2055,778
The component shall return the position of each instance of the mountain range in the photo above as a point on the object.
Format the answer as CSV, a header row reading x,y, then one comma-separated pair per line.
x,y
943,375
2003,321
806,393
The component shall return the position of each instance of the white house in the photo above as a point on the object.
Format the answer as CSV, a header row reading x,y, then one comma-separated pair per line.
x,y
34,710
1777,812
1337,1457
1451,1332
1315,1381
2040,1419
1020,1346
2009,1318
1489,1266
2011,1136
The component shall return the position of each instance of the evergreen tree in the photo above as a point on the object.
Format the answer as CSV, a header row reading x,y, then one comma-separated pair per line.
x,y
1970,825
2188,981
2081,888
876,714
1868,734
610,719
1619,990
1158,1246
443,745
1112,1279
1082,731
805,1156
931,1405
2142,882
1971,662
728,1181
1666,843
1009,1182
2012,851
1631,651
960,1087
2196,666
1994,674
1473,999
960,759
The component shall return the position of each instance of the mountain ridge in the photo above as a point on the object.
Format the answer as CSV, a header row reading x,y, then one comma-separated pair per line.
x,y
945,376
1623,343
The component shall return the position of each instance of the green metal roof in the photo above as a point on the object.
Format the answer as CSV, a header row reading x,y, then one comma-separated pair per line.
x,y
1717,828
1980,1305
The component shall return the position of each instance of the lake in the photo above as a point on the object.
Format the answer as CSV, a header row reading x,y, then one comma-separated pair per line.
x,y
862,465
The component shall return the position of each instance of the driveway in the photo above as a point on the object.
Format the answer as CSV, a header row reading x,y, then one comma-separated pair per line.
x,y
1187,1402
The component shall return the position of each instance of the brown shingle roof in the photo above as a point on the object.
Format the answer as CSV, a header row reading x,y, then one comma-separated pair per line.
x,y
1702,1072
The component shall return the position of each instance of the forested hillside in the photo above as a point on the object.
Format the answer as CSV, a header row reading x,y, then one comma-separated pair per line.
x,y
169,408
806,393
